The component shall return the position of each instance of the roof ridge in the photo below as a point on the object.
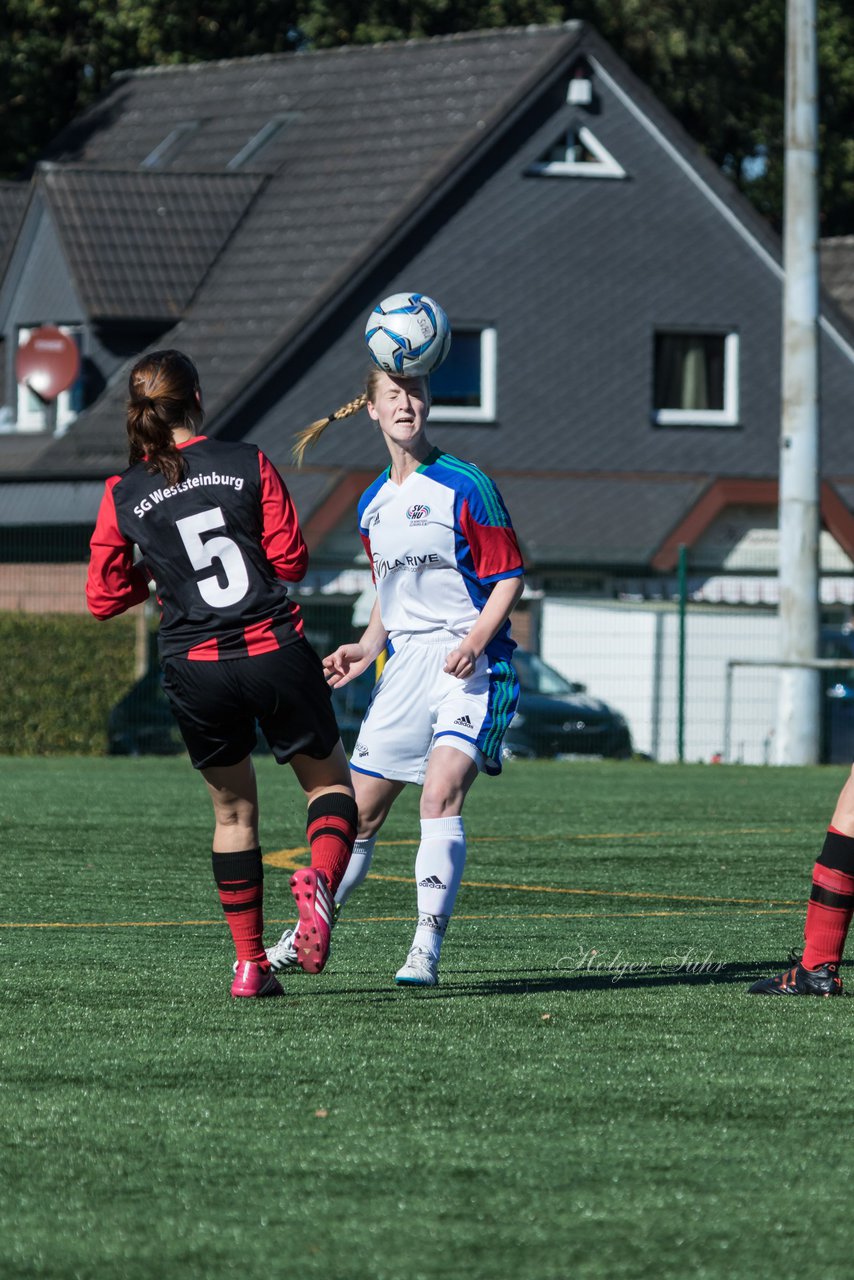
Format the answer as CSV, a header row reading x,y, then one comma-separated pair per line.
x,y
343,50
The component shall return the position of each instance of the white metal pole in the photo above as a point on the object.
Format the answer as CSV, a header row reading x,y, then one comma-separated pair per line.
x,y
798,720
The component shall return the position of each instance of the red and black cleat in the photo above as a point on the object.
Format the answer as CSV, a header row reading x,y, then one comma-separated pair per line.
x,y
799,981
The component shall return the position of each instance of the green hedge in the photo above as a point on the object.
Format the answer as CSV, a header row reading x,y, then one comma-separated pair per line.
x,y
59,677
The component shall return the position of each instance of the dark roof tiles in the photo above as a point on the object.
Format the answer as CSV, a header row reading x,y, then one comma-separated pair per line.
x,y
139,244
559,520
13,201
837,271
378,128
400,94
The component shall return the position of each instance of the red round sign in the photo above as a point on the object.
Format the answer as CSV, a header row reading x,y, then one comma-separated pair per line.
x,y
48,362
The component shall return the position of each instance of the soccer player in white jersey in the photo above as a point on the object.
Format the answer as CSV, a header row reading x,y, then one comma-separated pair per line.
x,y
448,573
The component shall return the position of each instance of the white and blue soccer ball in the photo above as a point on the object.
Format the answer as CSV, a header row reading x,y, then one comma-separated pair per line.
x,y
408,335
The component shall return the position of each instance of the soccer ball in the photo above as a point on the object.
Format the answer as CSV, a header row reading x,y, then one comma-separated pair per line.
x,y
408,335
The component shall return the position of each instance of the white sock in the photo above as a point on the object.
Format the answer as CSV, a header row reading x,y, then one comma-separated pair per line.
x,y
430,934
439,868
357,868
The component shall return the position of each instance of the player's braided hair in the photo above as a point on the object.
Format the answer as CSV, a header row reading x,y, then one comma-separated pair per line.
x,y
162,391
309,436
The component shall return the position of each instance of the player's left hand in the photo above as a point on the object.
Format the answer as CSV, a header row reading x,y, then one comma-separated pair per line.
x,y
347,662
461,662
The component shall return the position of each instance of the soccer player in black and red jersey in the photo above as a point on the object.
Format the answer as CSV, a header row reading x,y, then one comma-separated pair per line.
x,y
829,912
219,537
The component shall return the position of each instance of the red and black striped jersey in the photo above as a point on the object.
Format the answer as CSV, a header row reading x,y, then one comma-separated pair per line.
x,y
219,546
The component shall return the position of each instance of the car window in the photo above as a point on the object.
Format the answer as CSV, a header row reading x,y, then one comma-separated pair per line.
x,y
537,676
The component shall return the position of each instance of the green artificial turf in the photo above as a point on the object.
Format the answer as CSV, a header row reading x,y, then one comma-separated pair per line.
x,y
589,1093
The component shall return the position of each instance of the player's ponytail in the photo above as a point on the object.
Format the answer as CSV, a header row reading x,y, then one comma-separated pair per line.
x,y
162,394
309,436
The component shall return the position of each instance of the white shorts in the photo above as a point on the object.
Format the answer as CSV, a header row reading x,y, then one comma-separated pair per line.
x,y
416,704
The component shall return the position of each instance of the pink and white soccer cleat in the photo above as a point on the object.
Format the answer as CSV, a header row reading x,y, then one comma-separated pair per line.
x,y
316,913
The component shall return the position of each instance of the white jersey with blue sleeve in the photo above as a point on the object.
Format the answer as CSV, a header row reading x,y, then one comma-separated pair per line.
x,y
436,544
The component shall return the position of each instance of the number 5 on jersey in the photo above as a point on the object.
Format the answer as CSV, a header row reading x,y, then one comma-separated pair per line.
x,y
203,553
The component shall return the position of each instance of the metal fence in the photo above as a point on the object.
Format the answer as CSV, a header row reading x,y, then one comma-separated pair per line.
x,y
698,681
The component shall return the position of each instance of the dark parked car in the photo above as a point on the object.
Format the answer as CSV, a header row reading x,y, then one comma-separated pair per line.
x,y
555,716
558,717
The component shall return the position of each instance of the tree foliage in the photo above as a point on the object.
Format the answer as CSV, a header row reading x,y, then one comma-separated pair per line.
x,y
718,66
57,56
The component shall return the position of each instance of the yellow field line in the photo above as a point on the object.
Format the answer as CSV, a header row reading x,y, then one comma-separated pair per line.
x,y
538,915
601,893
291,859
288,858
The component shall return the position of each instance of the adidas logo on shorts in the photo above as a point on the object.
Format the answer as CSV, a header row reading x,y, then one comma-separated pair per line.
x,y
465,722
432,882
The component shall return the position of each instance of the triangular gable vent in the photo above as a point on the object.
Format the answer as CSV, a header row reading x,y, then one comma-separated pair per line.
x,y
577,153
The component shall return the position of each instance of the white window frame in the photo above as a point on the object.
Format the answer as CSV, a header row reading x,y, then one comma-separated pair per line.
x,y
170,146
728,416
604,166
265,134
31,420
485,411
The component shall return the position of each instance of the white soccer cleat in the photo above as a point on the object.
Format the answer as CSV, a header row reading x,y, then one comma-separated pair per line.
x,y
283,954
421,970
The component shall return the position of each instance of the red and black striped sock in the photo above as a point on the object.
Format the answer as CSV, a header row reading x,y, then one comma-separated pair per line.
x,y
831,903
331,829
240,882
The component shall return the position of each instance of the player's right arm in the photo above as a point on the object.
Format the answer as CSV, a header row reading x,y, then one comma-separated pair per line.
x,y
114,583
282,538
350,660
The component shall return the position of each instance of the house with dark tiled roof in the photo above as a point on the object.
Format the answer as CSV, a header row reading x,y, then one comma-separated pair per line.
x,y
616,303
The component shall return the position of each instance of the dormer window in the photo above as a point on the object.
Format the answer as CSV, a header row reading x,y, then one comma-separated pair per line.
x,y
577,153
166,151
260,139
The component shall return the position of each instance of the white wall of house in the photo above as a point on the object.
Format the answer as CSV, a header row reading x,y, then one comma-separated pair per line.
x,y
628,655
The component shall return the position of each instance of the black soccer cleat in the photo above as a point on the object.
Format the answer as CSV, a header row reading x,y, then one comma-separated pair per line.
x,y
799,981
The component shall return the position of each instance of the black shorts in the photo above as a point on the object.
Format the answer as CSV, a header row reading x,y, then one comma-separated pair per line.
x,y
217,705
